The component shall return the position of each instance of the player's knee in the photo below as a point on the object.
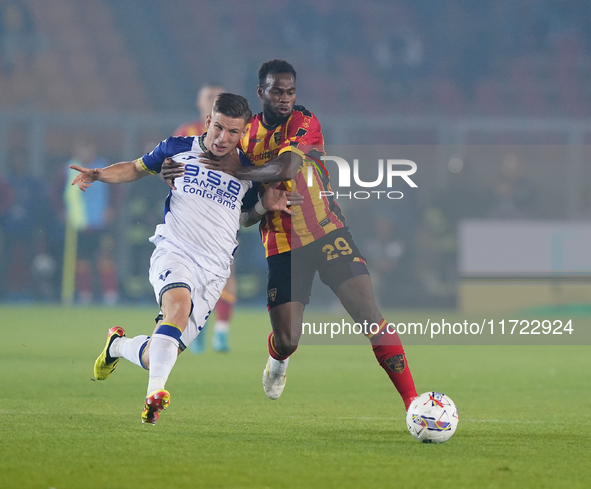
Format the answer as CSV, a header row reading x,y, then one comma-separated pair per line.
x,y
177,315
176,311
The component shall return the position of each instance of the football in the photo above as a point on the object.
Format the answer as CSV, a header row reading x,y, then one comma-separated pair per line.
x,y
432,418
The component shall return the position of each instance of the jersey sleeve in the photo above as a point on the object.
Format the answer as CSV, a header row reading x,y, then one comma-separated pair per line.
x,y
152,161
244,159
303,133
251,197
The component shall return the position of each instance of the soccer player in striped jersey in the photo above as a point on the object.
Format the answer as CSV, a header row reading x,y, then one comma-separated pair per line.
x,y
194,245
225,305
283,142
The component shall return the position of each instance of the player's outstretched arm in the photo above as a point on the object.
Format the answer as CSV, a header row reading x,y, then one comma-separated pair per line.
x,y
279,169
123,172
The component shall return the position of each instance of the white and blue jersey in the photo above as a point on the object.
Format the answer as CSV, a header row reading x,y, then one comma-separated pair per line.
x,y
202,216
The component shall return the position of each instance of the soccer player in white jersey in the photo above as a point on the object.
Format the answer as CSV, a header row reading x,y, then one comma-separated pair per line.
x,y
194,245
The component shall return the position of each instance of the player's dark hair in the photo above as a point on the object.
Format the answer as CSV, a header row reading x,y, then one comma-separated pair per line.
x,y
275,66
232,105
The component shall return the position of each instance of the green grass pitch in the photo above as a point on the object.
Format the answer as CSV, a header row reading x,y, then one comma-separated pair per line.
x,y
525,413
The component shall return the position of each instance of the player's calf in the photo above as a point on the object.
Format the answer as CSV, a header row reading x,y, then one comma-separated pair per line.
x,y
389,353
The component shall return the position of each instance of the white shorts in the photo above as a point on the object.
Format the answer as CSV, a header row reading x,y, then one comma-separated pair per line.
x,y
170,268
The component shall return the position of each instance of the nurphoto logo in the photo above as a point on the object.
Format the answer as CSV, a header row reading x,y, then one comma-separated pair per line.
x,y
393,168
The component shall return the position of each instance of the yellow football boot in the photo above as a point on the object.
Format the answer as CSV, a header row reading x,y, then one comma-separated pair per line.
x,y
105,364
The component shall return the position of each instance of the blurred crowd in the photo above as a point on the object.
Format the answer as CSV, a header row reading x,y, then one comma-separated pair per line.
x,y
452,58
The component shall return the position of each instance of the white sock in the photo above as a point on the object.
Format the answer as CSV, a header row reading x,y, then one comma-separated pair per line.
x,y
221,327
278,367
129,348
163,353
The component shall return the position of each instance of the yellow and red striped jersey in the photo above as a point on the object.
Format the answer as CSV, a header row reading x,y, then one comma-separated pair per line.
x,y
195,128
319,214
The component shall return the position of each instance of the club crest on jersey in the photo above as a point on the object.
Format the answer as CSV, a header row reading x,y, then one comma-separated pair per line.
x,y
272,295
277,137
165,274
396,363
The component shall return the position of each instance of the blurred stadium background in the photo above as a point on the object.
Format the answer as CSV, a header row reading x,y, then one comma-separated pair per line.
x,y
491,99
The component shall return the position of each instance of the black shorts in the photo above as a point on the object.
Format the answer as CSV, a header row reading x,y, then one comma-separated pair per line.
x,y
335,257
